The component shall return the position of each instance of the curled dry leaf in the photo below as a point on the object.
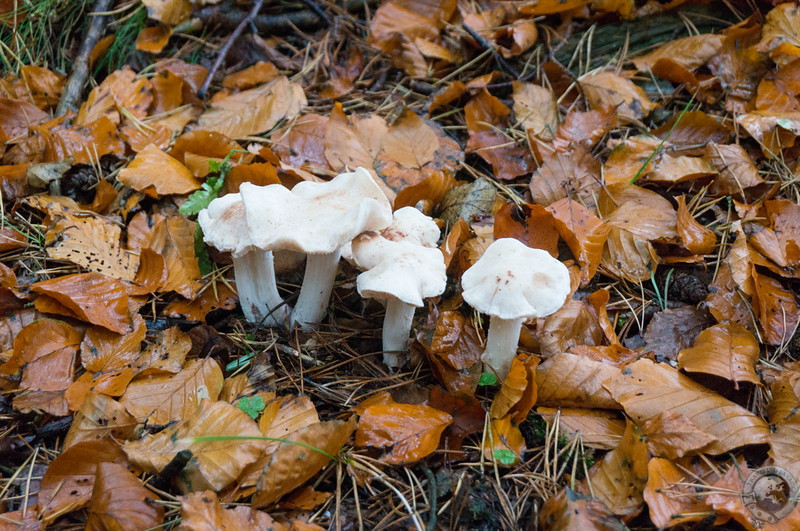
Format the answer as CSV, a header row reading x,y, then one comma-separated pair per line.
x,y
254,111
693,236
567,380
411,431
669,502
628,257
727,350
91,297
776,309
69,479
455,352
535,109
504,436
120,501
100,416
155,173
214,464
517,395
619,479
571,325
161,399
646,389
690,52
313,446
584,233
597,428
119,90
584,128
607,89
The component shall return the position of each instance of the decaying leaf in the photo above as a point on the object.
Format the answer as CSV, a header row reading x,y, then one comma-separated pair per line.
x,y
410,431
671,503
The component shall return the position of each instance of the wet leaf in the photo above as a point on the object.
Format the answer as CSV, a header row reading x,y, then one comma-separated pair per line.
x,y
170,12
505,443
737,172
646,389
695,237
584,128
776,309
669,502
202,511
597,428
155,173
573,324
690,52
535,109
583,232
674,329
727,350
574,175
208,300
628,257
100,416
160,399
120,501
254,111
317,443
120,90
567,380
607,89
214,464
570,511
257,74
153,39
166,353
673,435
517,395
410,431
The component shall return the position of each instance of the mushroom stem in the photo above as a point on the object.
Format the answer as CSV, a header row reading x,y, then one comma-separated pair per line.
x,y
501,345
316,290
396,325
258,292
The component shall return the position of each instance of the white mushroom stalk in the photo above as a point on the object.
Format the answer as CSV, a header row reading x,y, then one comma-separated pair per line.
x,y
400,272
224,226
317,219
512,282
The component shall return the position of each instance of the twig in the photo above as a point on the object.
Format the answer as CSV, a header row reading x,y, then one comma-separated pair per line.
x,y
505,65
223,52
80,68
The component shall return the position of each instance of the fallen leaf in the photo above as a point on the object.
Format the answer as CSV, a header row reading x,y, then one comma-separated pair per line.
x,y
674,329
504,438
535,109
596,428
455,352
257,74
727,350
206,301
161,399
737,172
584,233
100,416
254,111
695,237
567,380
646,389
166,354
573,324
202,511
569,510
607,89
411,431
119,90
584,128
776,309
155,173
214,464
153,39
673,435
517,394
120,501
670,503
169,12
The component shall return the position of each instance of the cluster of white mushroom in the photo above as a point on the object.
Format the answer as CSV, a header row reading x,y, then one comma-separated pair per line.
x,y
398,254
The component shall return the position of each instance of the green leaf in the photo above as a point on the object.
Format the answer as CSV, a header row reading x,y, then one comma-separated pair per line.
x,y
251,405
487,378
504,457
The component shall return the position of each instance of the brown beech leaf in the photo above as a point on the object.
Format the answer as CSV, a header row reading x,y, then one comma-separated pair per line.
x,y
120,501
567,380
670,168
571,325
119,90
535,109
689,52
202,511
640,211
584,233
100,416
737,172
102,350
517,395
669,502
69,479
607,89
450,93
91,297
674,329
165,354
619,479
303,144
784,397
214,464
597,428
161,399
469,417
206,301
673,435
411,431
155,173
695,237
92,242
153,39
784,445
18,116
85,143
254,111
629,158
25,519
429,192
454,352
584,128
173,238
574,174
44,351
628,257
646,389
776,309
569,510
259,73
531,224
169,12
283,473
505,436
727,350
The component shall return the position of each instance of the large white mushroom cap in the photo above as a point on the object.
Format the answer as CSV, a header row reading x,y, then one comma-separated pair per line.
x,y
315,218
409,224
512,281
224,225
399,269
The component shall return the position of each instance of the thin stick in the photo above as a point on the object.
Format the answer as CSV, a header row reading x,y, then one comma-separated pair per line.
x,y
80,68
223,52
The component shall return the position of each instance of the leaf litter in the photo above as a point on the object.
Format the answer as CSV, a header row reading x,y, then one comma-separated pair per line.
x,y
662,174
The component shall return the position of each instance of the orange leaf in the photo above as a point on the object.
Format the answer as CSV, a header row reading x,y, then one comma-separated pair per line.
x,y
727,350
153,39
646,389
569,510
674,435
690,52
455,352
155,173
208,300
203,511
575,323
170,12
583,232
504,436
102,350
574,175
119,500
607,89
92,297
776,309
535,108
517,395
628,257
119,90
695,237
430,191
669,502
257,74
411,431
584,128
100,416
167,93
567,380
597,428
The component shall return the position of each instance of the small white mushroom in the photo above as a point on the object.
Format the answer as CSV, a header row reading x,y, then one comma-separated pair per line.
x,y
512,282
316,219
225,227
400,273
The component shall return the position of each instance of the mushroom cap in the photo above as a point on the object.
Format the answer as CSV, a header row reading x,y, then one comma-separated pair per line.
x,y
224,225
513,281
403,270
410,224
315,218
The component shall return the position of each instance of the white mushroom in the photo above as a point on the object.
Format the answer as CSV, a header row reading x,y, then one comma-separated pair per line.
x,y
512,282
225,227
316,219
400,273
